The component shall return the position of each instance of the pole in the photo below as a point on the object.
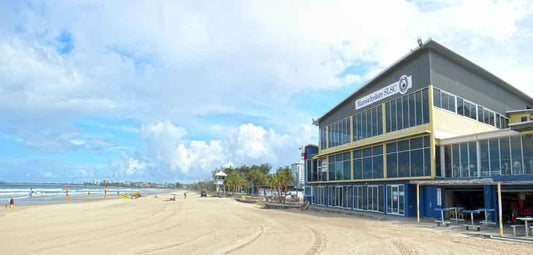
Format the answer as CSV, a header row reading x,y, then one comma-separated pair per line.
x,y
105,191
418,203
500,208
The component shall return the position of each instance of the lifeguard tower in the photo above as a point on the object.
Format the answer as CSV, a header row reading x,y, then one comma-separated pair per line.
x,y
219,180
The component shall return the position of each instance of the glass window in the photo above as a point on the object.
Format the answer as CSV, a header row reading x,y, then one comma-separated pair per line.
x,y
436,97
368,122
347,170
480,113
445,100
448,161
417,163
425,106
399,113
464,159
491,118
358,154
473,110
392,165
460,106
372,118
451,102
367,168
391,147
466,108
359,126
416,143
498,121
363,125
378,150
505,154
494,157
387,116
358,169
486,117
472,152
403,163
367,152
427,162
377,167
380,120
405,111
527,146
456,167
484,146
516,155
412,115
437,161
403,145
418,107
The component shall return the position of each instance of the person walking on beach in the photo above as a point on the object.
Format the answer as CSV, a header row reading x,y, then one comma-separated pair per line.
x,y
184,195
12,203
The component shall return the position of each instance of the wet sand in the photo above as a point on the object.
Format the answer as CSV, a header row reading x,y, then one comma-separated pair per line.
x,y
218,226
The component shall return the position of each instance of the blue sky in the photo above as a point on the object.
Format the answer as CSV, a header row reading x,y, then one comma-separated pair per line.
x,y
170,90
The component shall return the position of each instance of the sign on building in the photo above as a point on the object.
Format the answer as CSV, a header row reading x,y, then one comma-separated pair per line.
x,y
401,86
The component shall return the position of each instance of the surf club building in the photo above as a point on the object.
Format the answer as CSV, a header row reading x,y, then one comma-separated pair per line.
x,y
433,130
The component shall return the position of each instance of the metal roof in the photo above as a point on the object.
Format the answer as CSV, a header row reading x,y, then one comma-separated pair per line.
x,y
431,44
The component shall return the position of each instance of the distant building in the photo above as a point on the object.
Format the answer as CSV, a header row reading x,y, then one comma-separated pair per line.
x,y
298,172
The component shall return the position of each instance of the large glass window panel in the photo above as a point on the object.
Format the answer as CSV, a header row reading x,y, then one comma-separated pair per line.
x,y
464,159
367,168
527,146
456,167
416,143
480,113
491,118
437,161
494,148
371,125
399,113
486,116
347,170
505,154
417,163
401,200
363,125
368,123
358,169
412,114
448,161
388,116
425,106
392,165
367,152
405,111
331,171
516,155
451,102
338,170
473,111
380,120
359,126
403,145
418,107
377,167
392,147
466,109
403,164
472,165
436,97
354,125
427,162
460,110
377,150
381,195
484,147
445,100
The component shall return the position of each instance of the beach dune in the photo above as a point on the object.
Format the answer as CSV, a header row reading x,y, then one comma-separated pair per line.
x,y
217,226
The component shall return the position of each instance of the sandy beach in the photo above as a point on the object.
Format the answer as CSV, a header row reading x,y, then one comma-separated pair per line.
x,y
218,226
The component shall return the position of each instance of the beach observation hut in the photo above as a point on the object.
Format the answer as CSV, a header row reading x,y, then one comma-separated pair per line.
x,y
219,180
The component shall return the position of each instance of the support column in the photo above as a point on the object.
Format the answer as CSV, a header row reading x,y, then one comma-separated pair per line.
x,y
500,208
418,203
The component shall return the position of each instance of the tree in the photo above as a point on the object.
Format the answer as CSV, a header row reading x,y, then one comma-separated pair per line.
x,y
257,177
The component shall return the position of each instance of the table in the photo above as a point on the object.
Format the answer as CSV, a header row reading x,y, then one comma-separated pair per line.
x,y
442,220
525,220
471,218
456,209
486,222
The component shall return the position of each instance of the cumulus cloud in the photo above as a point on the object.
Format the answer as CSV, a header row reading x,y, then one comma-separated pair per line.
x,y
183,61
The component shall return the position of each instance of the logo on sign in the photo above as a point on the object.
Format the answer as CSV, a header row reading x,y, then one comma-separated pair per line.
x,y
401,86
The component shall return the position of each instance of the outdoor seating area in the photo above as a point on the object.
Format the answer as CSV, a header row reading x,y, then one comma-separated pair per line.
x,y
456,215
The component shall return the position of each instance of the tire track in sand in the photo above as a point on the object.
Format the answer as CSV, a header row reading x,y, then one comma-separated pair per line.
x,y
246,242
403,248
319,242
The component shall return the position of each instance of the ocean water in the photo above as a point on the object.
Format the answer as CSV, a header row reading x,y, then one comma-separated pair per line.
x,y
56,193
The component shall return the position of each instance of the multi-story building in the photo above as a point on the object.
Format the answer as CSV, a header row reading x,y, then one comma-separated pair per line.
x,y
433,122
298,172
